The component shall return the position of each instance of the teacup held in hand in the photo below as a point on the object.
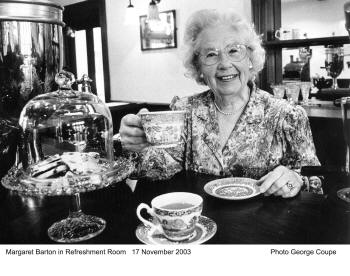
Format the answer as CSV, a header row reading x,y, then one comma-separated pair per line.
x,y
163,129
174,214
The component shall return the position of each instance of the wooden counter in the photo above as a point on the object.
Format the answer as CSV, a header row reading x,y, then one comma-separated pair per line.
x,y
322,109
315,109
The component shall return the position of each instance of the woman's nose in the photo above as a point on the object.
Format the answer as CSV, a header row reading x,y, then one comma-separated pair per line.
x,y
224,61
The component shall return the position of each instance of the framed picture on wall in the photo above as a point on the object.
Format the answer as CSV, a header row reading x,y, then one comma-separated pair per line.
x,y
160,34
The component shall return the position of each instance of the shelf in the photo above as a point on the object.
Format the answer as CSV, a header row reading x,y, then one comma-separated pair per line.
x,y
334,40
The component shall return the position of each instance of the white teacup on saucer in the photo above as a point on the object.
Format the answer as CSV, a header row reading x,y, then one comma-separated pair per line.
x,y
175,215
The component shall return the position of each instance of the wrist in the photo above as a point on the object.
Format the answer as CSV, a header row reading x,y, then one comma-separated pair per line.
x,y
120,150
302,180
132,156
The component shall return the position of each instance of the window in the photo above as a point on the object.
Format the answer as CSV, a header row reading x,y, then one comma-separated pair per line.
x,y
86,47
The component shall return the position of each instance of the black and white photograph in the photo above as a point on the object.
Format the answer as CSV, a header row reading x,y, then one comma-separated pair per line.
x,y
175,134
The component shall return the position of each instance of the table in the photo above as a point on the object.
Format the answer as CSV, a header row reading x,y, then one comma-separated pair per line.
x,y
306,219
322,109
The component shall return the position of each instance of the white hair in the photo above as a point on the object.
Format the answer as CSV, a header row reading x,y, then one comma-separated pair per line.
x,y
202,19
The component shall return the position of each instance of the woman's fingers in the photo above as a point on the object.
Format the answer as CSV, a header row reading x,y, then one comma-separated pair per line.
x,y
132,132
132,135
130,120
284,187
143,110
293,188
280,182
133,140
262,179
136,147
266,181
277,185
279,192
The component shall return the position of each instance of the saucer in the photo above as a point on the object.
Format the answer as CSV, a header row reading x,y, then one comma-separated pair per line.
x,y
233,188
204,230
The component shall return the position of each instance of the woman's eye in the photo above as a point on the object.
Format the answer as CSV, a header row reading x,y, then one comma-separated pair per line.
x,y
232,51
211,54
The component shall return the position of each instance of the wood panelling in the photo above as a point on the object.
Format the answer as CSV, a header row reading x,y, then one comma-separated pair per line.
x,y
267,19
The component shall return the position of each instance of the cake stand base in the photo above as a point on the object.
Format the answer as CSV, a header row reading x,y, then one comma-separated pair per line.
x,y
76,228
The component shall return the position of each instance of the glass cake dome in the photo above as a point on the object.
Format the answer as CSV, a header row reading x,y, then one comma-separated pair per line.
x,y
67,141
66,149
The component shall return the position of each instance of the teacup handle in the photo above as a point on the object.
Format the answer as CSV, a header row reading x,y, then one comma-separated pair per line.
x,y
147,222
278,34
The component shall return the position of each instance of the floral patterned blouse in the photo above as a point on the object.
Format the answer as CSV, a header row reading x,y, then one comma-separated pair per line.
x,y
270,132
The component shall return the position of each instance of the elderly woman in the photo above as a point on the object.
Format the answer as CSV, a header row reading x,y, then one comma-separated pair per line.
x,y
234,128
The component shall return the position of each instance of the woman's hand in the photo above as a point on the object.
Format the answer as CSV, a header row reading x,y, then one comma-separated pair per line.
x,y
132,136
280,182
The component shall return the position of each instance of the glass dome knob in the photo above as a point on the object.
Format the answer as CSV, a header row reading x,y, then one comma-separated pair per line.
x,y
65,80
85,81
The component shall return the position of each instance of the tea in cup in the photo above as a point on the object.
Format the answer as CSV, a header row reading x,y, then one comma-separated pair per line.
x,y
175,215
163,129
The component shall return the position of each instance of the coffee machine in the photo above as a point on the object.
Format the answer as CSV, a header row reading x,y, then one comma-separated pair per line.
x,y
31,53
334,64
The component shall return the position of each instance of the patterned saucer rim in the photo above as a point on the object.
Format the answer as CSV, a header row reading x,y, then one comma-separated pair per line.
x,y
207,225
212,187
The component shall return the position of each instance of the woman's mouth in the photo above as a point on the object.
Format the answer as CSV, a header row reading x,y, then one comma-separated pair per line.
x,y
227,77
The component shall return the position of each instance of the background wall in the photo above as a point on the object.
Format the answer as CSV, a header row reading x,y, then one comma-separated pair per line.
x,y
156,76
153,76
314,17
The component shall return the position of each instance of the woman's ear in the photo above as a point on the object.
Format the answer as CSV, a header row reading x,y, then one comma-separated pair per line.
x,y
201,78
251,71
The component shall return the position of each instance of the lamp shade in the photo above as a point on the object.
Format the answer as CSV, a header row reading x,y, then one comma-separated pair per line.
x,y
130,15
153,12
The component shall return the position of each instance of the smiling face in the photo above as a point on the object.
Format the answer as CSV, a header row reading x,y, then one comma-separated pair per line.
x,y
226,77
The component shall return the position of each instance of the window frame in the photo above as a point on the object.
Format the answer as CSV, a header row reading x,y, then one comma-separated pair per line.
x,y
87,15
